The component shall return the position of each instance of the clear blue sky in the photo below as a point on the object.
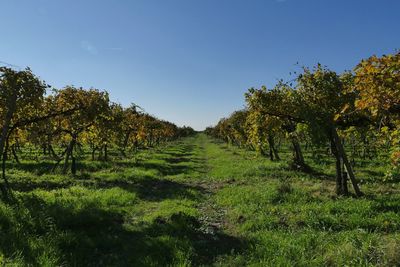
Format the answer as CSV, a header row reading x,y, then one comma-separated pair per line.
x,y
190,61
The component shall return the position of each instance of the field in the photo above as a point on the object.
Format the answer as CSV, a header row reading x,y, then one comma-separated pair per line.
x,y
197,202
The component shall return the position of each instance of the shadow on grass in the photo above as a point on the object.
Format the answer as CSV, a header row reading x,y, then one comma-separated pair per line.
x,y
165,168
156,190
152,189
319,175
374,176
386,203
175,154
27,186
46,167
87,235
177,160
38,168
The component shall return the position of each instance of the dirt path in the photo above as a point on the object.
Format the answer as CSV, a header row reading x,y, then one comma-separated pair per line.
x,y
212,216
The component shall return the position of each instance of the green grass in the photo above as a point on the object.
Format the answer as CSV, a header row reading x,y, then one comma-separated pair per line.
x,y
197,202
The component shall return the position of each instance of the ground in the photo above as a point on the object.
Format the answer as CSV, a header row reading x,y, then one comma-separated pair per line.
x,y
197,202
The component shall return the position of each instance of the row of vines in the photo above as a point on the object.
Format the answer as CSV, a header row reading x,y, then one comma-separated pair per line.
x,y
61,123
353,113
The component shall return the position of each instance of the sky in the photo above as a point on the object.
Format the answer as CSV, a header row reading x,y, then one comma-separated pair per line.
x,y
190,61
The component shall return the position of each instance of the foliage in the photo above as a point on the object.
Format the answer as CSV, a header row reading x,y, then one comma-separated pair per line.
x,y
65,121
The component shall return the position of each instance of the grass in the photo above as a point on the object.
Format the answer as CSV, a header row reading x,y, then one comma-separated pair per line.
x,y
197,202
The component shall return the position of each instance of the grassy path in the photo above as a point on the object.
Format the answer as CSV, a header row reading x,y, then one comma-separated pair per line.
x,y
261,213
195,202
